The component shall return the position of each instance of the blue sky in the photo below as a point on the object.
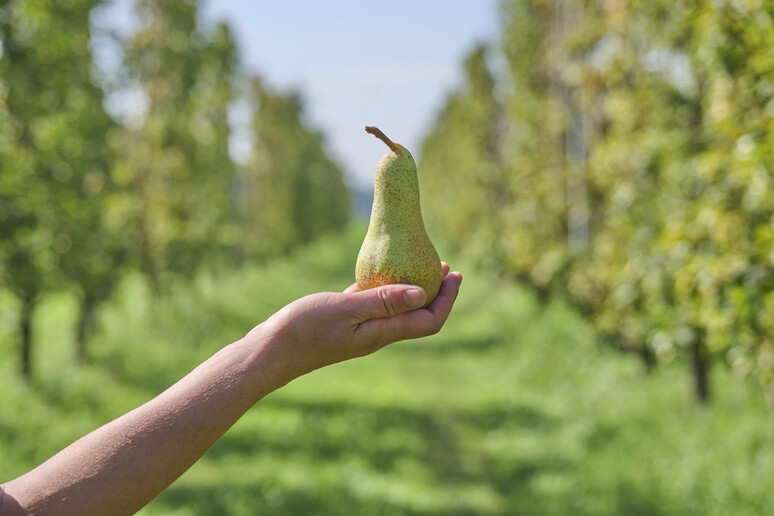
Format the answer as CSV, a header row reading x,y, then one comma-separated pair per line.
x,y
356,63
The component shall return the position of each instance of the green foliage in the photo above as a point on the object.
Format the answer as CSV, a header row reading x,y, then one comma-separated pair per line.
x,y
461,155
512,409
292,191
636,158
178,160
58,221
85,198
680,202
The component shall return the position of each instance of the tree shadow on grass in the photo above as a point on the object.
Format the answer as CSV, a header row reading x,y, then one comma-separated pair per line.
x,y
268,498
339,428
383,438
452,344
445,444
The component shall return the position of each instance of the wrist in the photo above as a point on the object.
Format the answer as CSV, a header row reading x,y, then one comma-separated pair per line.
x,y
267,358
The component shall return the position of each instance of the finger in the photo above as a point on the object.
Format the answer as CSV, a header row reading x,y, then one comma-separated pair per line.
x,y
435,315
447,294
385,301
415,323
445,268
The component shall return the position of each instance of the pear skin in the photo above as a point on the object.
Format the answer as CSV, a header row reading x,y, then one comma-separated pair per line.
x,y
396,248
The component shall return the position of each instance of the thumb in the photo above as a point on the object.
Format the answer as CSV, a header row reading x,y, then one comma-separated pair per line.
x,y
386,301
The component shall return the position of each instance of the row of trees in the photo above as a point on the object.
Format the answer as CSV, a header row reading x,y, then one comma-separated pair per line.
x,y
85,197
622,156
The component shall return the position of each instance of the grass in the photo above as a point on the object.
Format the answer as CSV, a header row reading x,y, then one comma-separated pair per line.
x,y
512,409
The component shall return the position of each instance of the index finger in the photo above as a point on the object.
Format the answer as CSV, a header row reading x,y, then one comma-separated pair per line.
x,y
415,323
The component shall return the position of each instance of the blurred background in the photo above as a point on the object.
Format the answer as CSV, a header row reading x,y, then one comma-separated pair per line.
x,y
174,171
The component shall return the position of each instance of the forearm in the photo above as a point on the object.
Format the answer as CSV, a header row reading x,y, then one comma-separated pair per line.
x,y
120,467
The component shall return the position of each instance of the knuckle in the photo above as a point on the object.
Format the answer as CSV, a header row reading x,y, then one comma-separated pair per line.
x,y
387,302
436,327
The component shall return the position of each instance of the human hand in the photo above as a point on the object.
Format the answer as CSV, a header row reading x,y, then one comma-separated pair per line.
x,y
329,327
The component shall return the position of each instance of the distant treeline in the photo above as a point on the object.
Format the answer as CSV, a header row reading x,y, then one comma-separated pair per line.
x,y
621,154
84,197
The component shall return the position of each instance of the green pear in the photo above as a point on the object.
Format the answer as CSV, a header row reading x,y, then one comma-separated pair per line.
x,y
396,248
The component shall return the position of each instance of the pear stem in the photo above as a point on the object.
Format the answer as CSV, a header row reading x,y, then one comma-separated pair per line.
x,y
379,134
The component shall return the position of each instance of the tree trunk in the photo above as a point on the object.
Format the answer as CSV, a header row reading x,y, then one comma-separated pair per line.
x,y
147,261
25,329
543,294
648,358
770,399
85,326
642,350
700,366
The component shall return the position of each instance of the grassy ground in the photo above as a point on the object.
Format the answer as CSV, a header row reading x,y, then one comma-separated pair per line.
x,y
512,409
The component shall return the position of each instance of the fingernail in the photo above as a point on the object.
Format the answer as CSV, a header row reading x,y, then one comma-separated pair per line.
x,y
413,297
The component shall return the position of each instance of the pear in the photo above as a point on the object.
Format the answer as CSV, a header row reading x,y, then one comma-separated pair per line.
x,y
396,248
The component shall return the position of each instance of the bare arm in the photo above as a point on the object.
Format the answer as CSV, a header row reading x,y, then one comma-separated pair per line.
x,y
123,465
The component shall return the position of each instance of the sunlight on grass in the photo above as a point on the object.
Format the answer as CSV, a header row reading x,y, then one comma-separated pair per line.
x,y
512,409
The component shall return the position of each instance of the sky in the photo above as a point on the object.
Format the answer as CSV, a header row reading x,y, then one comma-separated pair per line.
x,y
355,63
